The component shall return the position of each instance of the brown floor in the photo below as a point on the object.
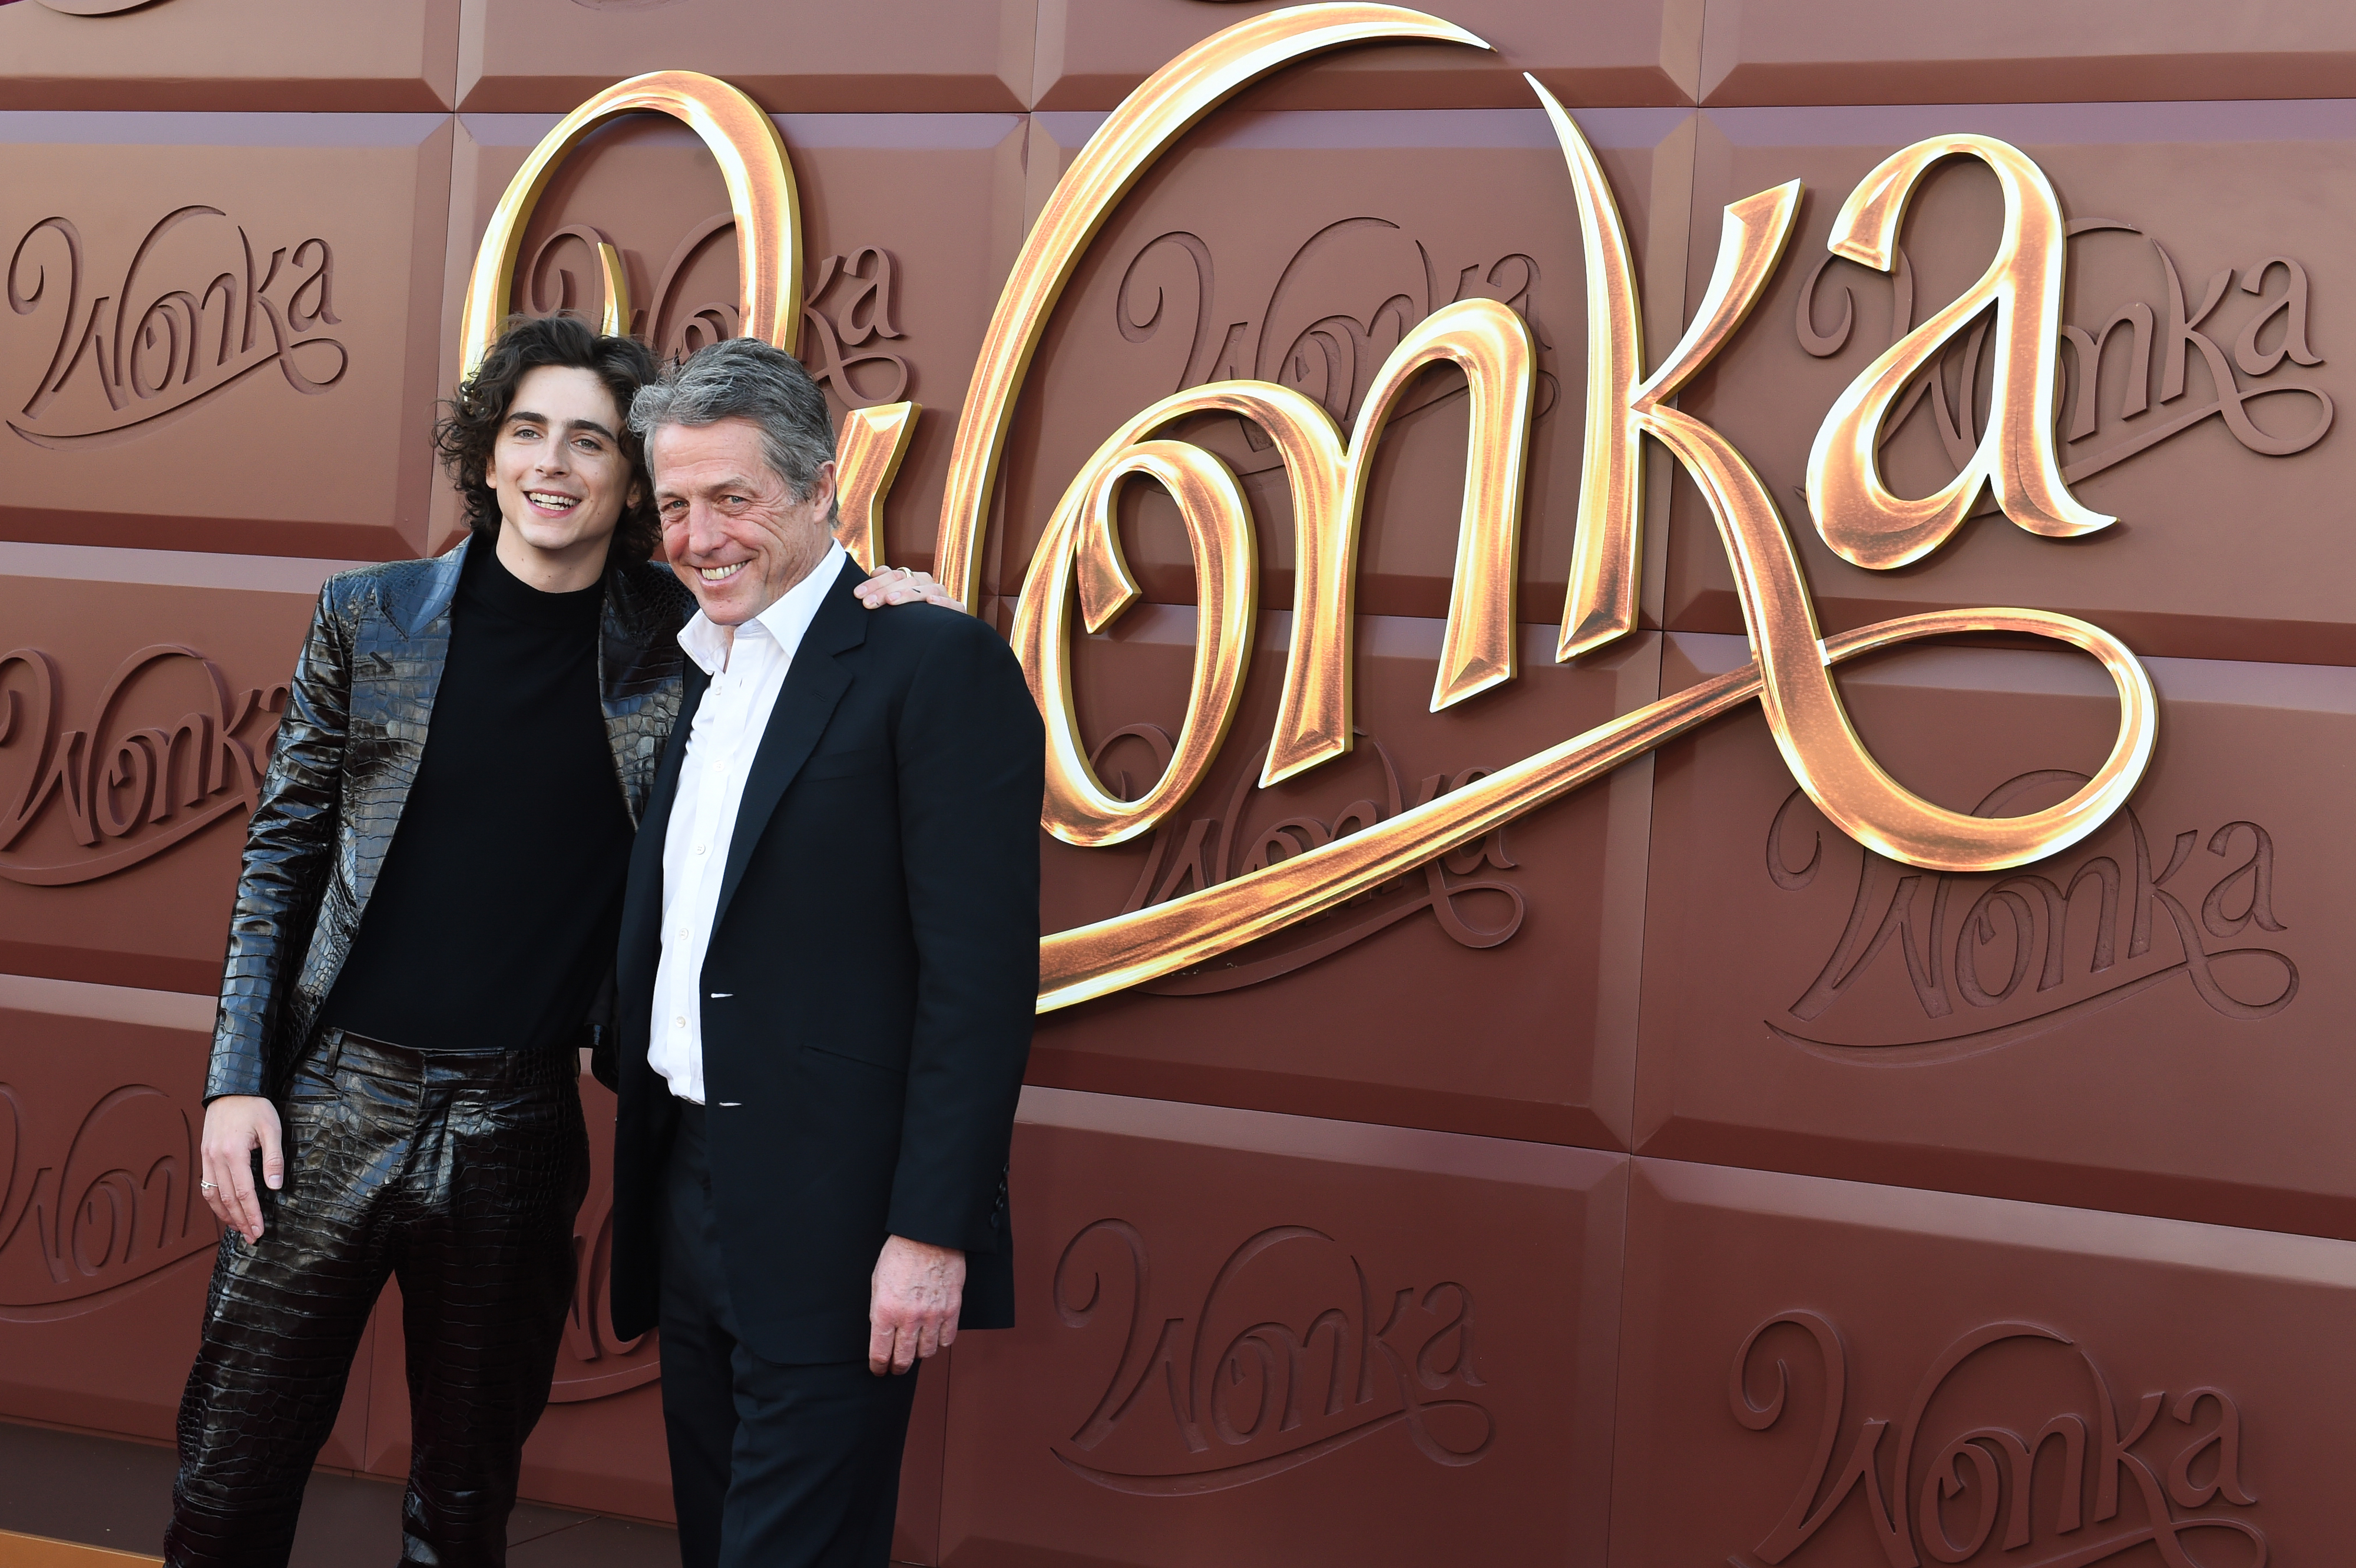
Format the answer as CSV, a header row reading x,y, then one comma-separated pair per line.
x,y
107,1492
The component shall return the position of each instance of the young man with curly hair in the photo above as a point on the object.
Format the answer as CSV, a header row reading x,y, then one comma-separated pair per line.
x,y
425,917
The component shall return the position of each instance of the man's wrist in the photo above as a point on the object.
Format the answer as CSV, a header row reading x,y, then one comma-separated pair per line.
x,y
927,1246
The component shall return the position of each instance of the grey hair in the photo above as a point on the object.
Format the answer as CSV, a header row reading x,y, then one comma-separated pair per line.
x,y
744,377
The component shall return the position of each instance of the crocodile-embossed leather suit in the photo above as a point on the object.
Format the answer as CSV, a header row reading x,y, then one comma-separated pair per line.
x,y
458,1172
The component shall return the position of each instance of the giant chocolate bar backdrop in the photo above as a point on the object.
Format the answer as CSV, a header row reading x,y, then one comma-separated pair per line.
x,y
1622,989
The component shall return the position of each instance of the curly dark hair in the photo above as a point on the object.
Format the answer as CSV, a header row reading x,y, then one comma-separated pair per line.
x,y
469,427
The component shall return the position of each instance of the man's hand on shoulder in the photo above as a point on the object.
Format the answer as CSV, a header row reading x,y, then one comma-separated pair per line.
x,y
912,1303
898,585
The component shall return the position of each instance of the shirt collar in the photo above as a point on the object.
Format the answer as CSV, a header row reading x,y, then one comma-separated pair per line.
x,y
785,622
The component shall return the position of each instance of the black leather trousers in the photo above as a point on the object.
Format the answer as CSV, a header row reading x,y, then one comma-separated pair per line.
x,y
460,1174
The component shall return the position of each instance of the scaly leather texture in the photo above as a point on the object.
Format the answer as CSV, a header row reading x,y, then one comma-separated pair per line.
x,y
460,1174
346,753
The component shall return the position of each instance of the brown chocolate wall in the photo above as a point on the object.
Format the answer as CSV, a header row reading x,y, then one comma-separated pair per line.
x,y
1664,1179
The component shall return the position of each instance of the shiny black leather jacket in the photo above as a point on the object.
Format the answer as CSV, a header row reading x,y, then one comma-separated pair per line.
x,y
347,750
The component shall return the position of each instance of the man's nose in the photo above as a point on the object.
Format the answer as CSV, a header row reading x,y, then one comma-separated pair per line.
x,y
703,532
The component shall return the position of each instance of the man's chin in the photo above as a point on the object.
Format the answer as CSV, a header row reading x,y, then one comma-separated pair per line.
x,y
721,608
554,541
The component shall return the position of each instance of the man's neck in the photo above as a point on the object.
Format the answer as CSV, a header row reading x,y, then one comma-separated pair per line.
x,y
563,571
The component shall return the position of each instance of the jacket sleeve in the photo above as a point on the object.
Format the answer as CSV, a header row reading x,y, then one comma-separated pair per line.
x,y
972,757
287,846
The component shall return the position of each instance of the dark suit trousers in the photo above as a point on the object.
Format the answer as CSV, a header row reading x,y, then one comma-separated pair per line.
x,y
772,1466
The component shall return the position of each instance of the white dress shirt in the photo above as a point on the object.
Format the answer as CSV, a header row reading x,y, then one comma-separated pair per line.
x,y
747,671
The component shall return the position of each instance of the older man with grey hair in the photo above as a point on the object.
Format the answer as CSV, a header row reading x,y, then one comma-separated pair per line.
x,y
828,966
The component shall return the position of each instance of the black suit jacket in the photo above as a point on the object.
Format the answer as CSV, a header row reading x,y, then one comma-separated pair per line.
x,y
869,989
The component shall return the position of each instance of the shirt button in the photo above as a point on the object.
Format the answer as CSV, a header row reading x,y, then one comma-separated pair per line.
x,y
679,1023
699,849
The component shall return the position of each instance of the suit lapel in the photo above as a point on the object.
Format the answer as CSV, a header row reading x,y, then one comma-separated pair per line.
x,y
815,684
436,587
403,676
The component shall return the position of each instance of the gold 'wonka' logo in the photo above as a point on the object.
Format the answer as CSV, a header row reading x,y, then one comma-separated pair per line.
x,y
1078,562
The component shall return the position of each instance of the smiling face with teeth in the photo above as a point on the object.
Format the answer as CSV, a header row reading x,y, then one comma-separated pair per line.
x,y
561,477
732,527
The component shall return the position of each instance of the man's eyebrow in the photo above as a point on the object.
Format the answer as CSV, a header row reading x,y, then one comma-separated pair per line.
x,y
526,416
732,482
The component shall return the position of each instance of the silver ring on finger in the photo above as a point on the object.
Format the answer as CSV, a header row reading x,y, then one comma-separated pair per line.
x,y
207,1187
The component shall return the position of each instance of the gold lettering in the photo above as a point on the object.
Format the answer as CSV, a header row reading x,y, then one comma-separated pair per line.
x,y
1161,109
751,158
867,453
1608,550
1856,514
1790,676
1084,540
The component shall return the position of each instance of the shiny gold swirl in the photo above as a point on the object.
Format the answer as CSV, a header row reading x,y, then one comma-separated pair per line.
x,y
1857,516
1329,486
1083,539
1607,551
1790,675
1804,707
1080,557
1129,950
751,158
867,454
1162,110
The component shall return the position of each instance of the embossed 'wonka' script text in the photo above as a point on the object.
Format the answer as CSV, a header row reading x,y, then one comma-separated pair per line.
x,y
195,310
1290,1355
1971,1470
1994,960
141,774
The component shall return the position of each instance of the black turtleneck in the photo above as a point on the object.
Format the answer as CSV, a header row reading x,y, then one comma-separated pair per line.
x,y
495,915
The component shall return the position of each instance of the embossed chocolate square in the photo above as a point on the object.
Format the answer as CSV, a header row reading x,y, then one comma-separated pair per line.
x,y
221,333
1300,247
139,691
385,56
1819,1372
1492,990
1275,1340
2196,390
908,223
881,56
2152,1020
1092,52
2006,51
